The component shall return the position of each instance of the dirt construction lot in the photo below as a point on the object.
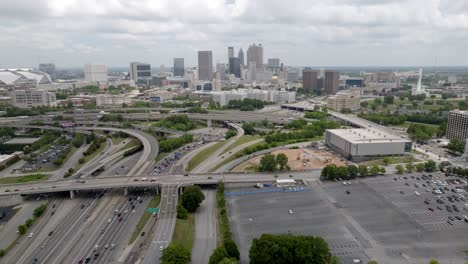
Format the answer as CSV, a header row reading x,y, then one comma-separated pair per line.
x,y
299,159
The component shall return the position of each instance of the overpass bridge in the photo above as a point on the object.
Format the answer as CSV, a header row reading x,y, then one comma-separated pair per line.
x,y
125,182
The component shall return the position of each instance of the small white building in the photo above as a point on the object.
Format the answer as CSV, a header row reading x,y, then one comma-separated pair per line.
x,y
285,182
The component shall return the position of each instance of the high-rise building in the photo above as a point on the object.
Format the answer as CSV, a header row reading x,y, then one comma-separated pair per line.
x,y
95,72
140,72
230,52
241,57
234,66
205,65
48,68
252,72
273,64
220,71
255,54
179,69
457,125
309,80
332,79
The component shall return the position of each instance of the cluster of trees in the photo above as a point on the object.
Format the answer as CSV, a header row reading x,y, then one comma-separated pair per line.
x,y
111,118
230,133
456,146
255,148
290,249
95,144
397,119
176,122
169,144
315,115
61,158
198,110
47,138
458,171
249,128
6,132
34,111
183,104
331,171
428,166
227,252
192,198
421,133
270,162
176,254
246,104
133,150
308,131
296,124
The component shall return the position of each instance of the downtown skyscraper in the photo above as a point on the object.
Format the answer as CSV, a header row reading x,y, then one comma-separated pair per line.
x,y
205,65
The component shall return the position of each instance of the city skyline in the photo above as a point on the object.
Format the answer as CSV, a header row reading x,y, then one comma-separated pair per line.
x,y
329,33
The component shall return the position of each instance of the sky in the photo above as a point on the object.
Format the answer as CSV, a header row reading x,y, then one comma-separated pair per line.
x,y
71,33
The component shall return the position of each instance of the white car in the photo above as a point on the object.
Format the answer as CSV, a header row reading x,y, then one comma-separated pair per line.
x,y
344,183
161,248
30,235
290,212
416,192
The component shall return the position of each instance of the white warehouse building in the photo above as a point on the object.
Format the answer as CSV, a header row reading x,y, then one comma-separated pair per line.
x,y
363,143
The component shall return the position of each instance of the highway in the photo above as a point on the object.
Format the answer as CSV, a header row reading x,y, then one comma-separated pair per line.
x,y
216,157
206,229
162,235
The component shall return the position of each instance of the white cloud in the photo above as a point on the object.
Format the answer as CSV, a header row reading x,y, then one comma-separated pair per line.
x,y
73,31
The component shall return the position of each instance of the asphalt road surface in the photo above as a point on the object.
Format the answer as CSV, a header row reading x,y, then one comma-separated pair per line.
x,y
206,233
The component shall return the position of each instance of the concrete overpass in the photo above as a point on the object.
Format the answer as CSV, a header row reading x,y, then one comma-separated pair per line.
x,y
124,182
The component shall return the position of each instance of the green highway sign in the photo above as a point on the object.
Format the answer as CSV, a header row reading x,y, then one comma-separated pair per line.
x,y
153,210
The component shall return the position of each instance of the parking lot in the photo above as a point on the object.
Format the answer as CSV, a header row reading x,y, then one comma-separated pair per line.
x,y
46,159
165,165
379,218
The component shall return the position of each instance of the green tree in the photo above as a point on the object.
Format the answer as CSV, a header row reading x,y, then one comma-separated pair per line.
x,y
218,255
420,167
353,171
430,166
175,254
282,160
231,248
249,129
268,162
182,213
374,170
409,167
228,261
192,198
363,170
434,261
22,229
364,104
372,262
383,170
289,249
230,133
389,99
386,160
399,169
456,145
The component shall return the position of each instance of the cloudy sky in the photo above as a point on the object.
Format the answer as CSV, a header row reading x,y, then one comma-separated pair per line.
x,y
300,32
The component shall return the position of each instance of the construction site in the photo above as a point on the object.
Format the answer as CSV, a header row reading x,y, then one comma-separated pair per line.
x,y
298,159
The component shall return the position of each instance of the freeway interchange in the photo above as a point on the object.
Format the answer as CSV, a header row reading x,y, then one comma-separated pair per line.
x,y
95,226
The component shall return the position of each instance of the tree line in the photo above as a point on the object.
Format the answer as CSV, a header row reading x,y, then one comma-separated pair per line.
x,y
332,172
307,131
169,144
176,122
270,162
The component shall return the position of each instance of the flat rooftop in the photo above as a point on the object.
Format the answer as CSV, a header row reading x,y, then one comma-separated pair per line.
x,y
366,135
24,141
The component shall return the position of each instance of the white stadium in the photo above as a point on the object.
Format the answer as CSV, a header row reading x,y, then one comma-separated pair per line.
x,y
21,76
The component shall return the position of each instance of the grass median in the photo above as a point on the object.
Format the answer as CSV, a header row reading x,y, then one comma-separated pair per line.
x,y
184,232
203,155
391,160
240,141
144,218
23,179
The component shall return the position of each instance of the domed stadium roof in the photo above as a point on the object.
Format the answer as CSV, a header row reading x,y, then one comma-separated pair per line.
x,y
15,76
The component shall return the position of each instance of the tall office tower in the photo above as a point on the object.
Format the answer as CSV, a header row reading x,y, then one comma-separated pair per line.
x,y
205,65
273,64
457,125
140,71
48,68
220,71
230,52
332,79
309,80
241,57
179,68
234,66
255,54
95,72
252,72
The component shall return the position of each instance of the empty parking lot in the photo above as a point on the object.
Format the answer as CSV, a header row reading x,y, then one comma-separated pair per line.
x,y
380,218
